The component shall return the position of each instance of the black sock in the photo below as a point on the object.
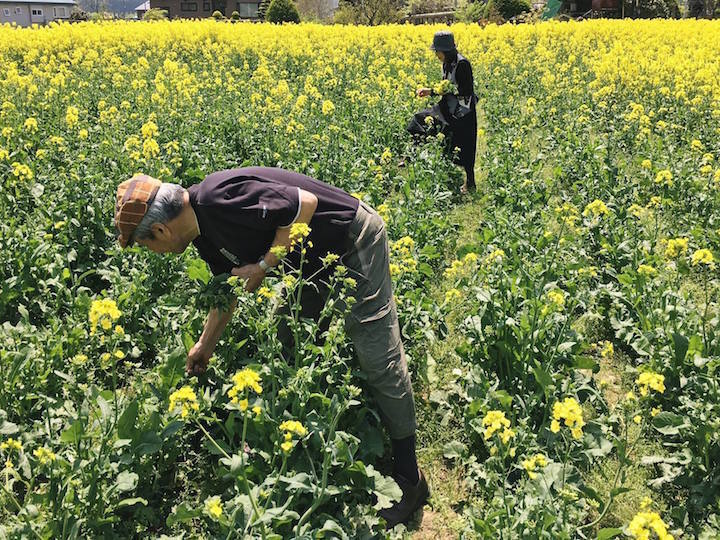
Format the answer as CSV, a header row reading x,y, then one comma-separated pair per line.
x,y
404,459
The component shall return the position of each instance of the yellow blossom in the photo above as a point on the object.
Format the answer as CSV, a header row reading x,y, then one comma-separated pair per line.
x,y
213,507
44,455
596,208
676,247
453,295
293,426
298,232
703,256
11,444
646,522
664,177
328,107
244,380
103,312
648,380
570,413
185,398
606,349
495,421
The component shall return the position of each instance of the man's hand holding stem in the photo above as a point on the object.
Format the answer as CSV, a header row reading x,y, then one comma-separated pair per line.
x,y
253,274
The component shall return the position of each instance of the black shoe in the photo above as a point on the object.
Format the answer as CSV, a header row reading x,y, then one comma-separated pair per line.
x,y
413,498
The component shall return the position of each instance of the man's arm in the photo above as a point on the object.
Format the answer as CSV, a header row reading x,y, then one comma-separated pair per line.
x,y
217,320
201,352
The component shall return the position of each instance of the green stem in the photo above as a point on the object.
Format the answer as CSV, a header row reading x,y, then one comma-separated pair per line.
x,y
27,518
242,467
326,469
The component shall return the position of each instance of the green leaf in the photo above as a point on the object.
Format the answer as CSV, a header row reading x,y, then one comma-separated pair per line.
x,y
126,481
331,526
454,450
543,378
188,342
681,347
585,362
385,489
607,533
503,397
150,443
74,433
132,502
668,423
300,482
566,346
172,370
171,429
619,491
197,270
126,422
7,428
182,514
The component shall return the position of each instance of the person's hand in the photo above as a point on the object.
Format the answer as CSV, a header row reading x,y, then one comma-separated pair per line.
x,y
197,359
424,92
251,273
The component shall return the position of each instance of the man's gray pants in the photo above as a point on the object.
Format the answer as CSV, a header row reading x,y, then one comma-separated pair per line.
x,y
372,322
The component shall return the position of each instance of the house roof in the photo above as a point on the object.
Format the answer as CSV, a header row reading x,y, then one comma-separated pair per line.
x,y
41,2
145,6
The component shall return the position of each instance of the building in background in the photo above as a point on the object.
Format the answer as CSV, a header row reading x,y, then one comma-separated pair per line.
x,y
142,9
197,9
25,13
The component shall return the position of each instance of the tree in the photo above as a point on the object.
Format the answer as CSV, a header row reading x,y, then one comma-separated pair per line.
x,y
370,12
314,10
511,8
155,14
79,15
280,11
262,9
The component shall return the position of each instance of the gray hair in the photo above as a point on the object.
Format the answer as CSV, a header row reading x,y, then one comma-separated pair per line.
x,y
167,206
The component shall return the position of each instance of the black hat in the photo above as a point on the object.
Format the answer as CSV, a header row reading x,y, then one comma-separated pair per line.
x,y
443,41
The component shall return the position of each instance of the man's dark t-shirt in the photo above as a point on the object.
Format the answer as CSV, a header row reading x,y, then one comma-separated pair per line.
x,y
239,210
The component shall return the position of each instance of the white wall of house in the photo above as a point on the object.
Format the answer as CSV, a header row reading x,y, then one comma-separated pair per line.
x,y
24,14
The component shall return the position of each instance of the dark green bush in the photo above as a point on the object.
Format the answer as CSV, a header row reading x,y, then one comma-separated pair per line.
x,y
281,11
510,8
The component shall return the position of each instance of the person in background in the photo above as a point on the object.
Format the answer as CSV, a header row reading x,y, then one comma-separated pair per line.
x,y
457,109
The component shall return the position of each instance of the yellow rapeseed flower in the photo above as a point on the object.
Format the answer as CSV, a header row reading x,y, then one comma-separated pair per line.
x,y
644,523
103,312
570,413
213,507
703,256
185,398
676,247
649,380
596,208
243,381
44,455
11,444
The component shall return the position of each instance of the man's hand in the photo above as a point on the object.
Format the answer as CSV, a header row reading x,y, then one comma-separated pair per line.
x,y
252,273
197,359
424,92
